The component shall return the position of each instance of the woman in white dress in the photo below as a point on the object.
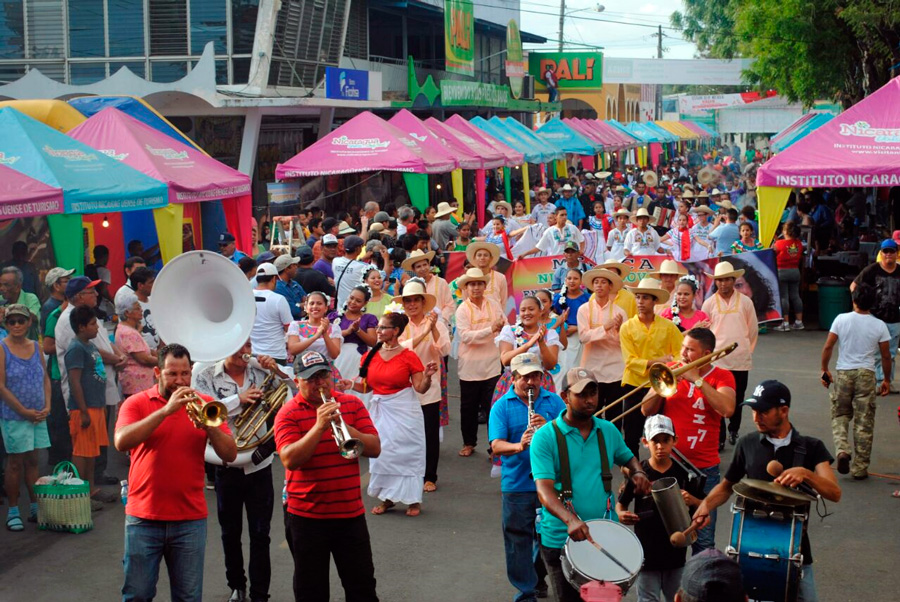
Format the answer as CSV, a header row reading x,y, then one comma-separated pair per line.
x,y
316,332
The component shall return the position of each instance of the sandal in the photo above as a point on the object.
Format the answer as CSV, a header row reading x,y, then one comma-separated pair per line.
x,y
896,493
467,451
429,487
414,510
14,523
382,508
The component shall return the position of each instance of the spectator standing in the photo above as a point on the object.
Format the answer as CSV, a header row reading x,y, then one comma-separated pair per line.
x,y
287,287
30,280
725,234
348,270
131,264
443,231
310,278
788,254
552,83
55,281
227,247
273,316
137,375
142,280
11,280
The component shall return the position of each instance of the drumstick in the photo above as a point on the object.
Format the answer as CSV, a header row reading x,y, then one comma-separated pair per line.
x,y
606,553
775,468
679,538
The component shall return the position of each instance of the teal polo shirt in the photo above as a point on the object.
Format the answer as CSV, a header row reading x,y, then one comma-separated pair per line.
x,y
589,497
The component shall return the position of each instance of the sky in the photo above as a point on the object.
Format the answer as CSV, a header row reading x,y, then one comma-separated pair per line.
x,y
630,35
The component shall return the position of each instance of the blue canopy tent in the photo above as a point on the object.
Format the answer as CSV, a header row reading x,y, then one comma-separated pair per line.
x,y
799,133
567,138
551,148
532,152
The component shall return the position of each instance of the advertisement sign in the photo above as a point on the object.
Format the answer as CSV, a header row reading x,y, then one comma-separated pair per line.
x,y
707,72
346,84
459,36
574,70
455,93
700,105
515,59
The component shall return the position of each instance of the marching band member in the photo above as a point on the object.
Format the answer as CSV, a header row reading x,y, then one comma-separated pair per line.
x,y
326,515
599,321
646,339
484,256
165,515
428,337
777,439
513,423
236,382
586,438
705,395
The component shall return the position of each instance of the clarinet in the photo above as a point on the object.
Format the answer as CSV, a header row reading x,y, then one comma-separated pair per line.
x,y
530,409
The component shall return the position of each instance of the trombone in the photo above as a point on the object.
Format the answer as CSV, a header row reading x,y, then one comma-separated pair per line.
x,y
664,380
349,447
209,413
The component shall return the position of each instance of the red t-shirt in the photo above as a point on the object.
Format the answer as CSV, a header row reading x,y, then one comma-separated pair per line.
x,y
167,476
696,422
788,253
327,486
387,378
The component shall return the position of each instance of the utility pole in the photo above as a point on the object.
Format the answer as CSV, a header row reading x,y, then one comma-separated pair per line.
x,y
562,22
659,55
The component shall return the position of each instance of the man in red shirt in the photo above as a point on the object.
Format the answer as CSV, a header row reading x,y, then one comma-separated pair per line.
x,y
326,516
165,514
705,395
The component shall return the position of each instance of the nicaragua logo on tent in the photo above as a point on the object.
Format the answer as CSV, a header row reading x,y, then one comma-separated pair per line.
x,y
361,143
4,160
111,152
418,137
70,154
166,153
864,130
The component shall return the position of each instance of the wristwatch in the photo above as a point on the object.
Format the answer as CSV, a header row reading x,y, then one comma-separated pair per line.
x,y
698,383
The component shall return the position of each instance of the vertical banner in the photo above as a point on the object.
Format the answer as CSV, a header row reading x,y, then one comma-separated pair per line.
x,y
507,185
587,162
772,202
526,187
169,221
561,170
479,196
515,59
68,241
456,183
417,187
459,36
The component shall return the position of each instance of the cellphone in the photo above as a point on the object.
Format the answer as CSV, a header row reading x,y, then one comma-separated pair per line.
x,y
827,379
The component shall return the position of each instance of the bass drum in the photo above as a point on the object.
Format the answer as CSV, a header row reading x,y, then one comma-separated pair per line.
x,y
583,563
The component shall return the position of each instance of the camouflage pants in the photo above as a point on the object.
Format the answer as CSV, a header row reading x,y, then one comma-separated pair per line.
x,y
853,398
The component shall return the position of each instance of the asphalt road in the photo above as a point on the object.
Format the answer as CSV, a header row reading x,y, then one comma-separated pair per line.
x,y
454,550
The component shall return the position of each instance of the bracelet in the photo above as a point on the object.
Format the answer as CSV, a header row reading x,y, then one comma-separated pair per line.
x,y
637,472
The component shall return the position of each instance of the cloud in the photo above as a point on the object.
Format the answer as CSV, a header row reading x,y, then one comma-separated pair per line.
x,y
649,9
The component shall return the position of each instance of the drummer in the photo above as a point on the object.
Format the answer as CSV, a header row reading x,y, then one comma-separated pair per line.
x,y
805,459
592,493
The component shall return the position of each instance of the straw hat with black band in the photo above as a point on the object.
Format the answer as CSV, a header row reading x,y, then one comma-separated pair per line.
x,y
472,275
414,258
642,213
623,269
615,281
652,287
416,288
491,248
669,267
724,269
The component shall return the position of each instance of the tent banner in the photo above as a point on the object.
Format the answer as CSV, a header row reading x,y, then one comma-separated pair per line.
x,y
759,281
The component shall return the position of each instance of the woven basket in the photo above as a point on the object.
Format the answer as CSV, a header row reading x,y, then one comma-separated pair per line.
x,y
65,508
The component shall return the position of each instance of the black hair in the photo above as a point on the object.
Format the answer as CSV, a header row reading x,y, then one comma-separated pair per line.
x,y
704,336
247,264
365,290
319,293
461,224
863,296
132,246
81,317
397,320
408,242
422,224
261,279
763,296
141,276
328,224
748,212
314,223
690,282
175,350
101,250
397,255
534,298
561,208
133,261
732,214
421,234
20,246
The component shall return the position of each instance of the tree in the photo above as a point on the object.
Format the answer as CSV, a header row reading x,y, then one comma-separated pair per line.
x,y
808,50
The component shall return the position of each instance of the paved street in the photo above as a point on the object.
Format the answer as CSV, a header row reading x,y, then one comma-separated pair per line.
x,y
454,550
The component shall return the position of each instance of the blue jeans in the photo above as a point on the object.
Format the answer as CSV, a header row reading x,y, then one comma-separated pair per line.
x,y
181,543
807,590
706,537
520,542
652,586
894,330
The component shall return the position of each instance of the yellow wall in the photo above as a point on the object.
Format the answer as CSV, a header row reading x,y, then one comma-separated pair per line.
x,y
612,101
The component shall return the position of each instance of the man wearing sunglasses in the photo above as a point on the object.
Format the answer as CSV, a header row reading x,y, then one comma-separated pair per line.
x,y
884,277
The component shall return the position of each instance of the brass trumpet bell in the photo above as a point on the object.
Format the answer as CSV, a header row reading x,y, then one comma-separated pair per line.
x,y
211,413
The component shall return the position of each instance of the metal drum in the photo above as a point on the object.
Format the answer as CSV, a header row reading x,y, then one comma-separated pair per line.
x,y
583,563
672,509
766,531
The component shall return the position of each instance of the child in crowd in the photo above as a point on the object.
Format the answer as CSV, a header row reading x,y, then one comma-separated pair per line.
x,y
463,237
615,240
747,242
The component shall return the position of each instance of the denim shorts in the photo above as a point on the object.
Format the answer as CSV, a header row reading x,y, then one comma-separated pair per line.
x,y
23,436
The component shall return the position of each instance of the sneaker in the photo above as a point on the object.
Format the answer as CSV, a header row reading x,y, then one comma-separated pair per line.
x,y
843,463
238,595
732,437
783,327
96,505
797,326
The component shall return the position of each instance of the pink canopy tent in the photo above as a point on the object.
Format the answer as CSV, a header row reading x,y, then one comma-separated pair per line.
x,y
696,129
585,130
190,174
858,148
513,157
623,140
365,143
22,196
803,119
466,146
416,128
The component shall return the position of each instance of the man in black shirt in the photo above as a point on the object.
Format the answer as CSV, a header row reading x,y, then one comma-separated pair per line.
x,y
805,460
310,278
884,276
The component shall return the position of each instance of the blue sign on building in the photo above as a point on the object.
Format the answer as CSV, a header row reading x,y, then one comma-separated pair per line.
x,y
346,84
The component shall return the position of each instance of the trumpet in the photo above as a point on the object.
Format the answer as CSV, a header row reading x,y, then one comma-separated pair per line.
x,y
349,447
209,413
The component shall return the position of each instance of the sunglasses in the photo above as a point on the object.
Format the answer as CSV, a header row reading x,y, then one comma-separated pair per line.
x,y
16,321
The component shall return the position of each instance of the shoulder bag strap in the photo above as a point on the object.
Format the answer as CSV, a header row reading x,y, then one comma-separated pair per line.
x,y
799,451
606,474
565,472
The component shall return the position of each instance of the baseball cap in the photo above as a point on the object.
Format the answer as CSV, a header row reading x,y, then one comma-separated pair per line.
x,y
17,309
381,216
525,363
305,254
283,261
353,242
55,274
78,284
890,243
311,362
329,239
226,238
577,379
572,246
267,269
658,424
769,394
328,223
267,257
711,576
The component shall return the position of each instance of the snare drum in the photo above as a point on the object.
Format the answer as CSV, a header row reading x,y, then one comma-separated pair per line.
x,y
583,563
766,537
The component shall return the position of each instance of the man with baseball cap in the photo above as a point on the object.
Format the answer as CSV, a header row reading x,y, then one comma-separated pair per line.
x,y
287,287
572,252
510,430
803,462
884,277
308,276
711,576
584,478
273,316
55,281
348,269
329,248
227,247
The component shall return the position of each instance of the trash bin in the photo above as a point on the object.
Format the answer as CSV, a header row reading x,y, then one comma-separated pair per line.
x,y
834,299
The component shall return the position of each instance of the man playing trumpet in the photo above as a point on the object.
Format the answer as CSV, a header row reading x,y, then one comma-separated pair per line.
x,y
166,510
237,382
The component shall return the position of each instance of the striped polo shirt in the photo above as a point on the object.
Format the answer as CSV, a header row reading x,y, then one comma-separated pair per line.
x,y
328,485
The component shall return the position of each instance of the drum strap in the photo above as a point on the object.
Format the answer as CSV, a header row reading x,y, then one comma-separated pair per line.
x,y
565,477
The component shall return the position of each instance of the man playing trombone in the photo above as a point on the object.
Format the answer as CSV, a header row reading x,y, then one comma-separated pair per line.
x,y
237,382
326,515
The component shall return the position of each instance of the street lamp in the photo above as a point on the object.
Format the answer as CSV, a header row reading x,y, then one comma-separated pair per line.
x,y
599,8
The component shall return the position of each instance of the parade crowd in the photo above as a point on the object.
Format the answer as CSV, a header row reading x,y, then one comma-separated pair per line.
x,y
354,316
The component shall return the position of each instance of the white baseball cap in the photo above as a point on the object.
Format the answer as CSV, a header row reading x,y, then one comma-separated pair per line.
x,y
655,425
267,269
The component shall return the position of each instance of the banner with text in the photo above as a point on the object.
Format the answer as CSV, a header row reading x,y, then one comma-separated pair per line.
x,y
459,36
573,70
